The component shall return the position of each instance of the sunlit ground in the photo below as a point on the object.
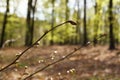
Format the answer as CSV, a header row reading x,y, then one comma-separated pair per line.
x,y
89,63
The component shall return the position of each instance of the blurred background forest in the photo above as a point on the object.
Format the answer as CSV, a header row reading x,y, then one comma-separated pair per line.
x,y
24,21
94,23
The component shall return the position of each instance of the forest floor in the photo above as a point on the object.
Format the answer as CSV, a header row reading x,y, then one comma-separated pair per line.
x,y
88,63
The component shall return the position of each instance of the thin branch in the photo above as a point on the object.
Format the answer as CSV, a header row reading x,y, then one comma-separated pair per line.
x,y
17,57
61,59
53,63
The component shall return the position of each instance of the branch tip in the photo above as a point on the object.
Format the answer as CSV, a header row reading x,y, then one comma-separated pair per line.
x,y
72,22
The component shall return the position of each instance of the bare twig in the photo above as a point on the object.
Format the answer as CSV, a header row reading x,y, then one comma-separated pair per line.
x,y
17,57
61,59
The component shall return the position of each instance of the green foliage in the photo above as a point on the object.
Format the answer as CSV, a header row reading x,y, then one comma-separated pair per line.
x,y
96,23
1,21
15,28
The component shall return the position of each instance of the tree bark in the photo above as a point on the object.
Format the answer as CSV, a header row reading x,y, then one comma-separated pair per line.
x,y
4,24
85,26
111,35
30,22
33,19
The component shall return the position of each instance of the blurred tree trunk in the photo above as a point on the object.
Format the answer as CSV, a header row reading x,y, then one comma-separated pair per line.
x,y
66,18
52,22
4,24
28,41
78,35
85,25
67,10
111,35
95,26
33,19
30,22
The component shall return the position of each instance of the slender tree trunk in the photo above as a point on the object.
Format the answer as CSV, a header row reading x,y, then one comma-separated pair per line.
x,y
33,19
67,10
28,41
85,26
4,24
67,40
78,24
95,26
30,22
111,35
52,22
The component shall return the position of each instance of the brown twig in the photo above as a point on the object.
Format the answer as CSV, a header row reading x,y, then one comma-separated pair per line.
x,y
17,57
61,59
